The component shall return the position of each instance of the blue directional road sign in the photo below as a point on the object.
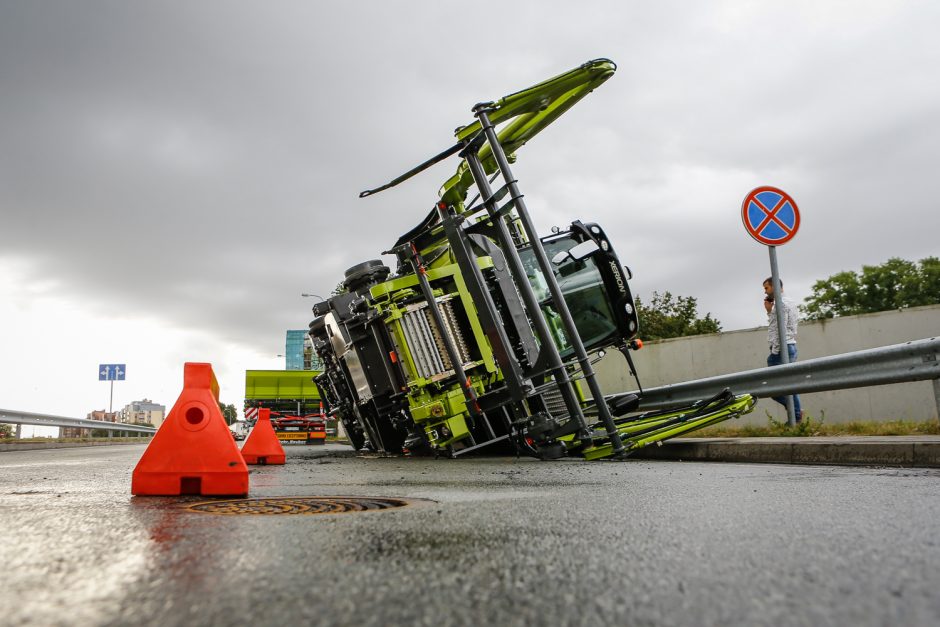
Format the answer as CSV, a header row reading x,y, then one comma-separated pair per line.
x,y
111,372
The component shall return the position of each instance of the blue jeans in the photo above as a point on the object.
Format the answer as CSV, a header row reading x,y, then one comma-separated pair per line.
x,y
774,359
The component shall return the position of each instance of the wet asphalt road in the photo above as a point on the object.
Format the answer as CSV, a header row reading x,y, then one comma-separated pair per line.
x,y
503,542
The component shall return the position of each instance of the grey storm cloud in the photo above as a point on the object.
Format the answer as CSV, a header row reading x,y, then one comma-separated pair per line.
x,y
201,161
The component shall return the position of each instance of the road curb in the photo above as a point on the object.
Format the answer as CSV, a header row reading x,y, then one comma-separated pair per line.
x,y
902,451
899,451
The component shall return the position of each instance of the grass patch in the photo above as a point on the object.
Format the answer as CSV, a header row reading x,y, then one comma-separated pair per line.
x,y
810,427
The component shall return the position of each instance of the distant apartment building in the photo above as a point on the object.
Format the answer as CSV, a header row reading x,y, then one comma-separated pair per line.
x,y
97,414
145,411
311,361
106,416
294,350
298,352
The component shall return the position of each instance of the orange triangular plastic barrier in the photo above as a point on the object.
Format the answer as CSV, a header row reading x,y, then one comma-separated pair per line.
x,y
262,445
193,451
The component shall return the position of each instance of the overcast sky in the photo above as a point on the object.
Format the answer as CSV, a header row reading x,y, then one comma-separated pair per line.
x,y
173,175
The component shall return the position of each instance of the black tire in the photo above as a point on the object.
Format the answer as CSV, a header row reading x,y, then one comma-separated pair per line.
x,y
316,326
555,450
365,274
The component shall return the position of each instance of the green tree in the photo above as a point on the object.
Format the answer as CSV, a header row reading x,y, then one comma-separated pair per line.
x,y
6,431
895,284
229,413
673,316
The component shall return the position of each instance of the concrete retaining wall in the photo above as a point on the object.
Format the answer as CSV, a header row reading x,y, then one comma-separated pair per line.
x,y
684,359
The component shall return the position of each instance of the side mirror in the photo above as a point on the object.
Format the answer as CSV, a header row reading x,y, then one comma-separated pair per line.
x,y
583,250
577,252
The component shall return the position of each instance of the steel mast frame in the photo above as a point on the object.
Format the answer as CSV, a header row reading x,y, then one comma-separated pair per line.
x,y
526,113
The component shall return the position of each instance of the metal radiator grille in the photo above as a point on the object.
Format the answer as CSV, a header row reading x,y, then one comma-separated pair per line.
x,y
425,341
453,330
554,402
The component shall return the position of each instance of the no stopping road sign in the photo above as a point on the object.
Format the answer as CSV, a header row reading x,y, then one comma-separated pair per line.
x,y
770,215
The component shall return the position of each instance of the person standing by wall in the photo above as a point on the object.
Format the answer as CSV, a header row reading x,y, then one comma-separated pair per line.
x,y
791,318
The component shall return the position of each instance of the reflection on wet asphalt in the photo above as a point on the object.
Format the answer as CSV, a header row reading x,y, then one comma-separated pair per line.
x,y
500,541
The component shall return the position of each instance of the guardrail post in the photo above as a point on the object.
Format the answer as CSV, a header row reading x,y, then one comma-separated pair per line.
x,y
936,396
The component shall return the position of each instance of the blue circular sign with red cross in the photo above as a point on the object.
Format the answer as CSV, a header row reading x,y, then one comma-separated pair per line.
x,y
770,215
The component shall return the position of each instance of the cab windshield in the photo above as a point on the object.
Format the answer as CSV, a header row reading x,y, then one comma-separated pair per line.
x,y
584,292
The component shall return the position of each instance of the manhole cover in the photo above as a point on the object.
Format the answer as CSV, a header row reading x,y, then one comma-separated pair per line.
x,y
300,505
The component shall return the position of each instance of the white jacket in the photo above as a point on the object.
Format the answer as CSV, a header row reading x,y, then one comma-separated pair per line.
x,y
791,318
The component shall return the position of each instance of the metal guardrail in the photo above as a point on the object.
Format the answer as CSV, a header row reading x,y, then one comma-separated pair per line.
x,y
918,360
14,417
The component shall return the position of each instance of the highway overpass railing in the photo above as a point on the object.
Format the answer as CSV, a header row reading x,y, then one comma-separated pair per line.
x,y
14,417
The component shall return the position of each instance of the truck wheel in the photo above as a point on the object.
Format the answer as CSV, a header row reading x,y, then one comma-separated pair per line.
x,y
365,273
555,450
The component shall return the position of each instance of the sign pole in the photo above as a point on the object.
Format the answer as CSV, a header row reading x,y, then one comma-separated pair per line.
x,y
111,373
771,217
781,326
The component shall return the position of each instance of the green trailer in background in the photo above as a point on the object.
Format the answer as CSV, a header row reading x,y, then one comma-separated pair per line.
x,y
289,394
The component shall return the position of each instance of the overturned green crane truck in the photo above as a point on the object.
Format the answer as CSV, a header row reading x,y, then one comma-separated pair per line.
x,y
484,334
